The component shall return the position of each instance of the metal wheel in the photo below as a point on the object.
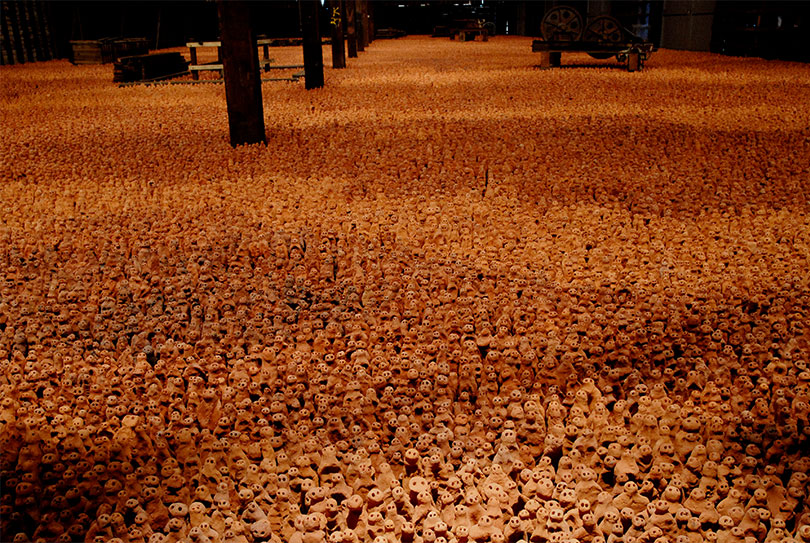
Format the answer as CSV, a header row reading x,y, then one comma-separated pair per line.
x,y
562,23
604,29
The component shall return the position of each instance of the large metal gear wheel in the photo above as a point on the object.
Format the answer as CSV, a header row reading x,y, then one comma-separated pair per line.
x,y
562,23
604,29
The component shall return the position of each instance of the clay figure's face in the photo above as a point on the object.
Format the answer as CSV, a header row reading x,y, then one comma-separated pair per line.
x,y
175,524
375,495
431,516
568,497
222,502
178,509
355,502
697,494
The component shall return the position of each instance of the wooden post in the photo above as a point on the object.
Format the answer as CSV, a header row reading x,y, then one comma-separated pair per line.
x,y
243,86
358,24
338,47
364,20
313,51
195,75
370,18
219,59
351,32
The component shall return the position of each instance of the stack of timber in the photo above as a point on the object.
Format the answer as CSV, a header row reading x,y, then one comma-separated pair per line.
x,y
152,67
106,50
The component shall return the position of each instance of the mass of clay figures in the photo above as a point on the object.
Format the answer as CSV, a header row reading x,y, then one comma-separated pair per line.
x,y
456,299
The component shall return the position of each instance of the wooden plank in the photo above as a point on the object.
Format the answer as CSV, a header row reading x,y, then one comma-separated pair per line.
x,y
16,39
313,51
203,44
206,67
5,33
25,31
240,59
218,66
338,46
45,40
33,31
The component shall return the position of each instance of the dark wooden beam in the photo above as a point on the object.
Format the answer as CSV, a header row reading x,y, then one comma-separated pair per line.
x,y
351,27
243,86
359,15
313,49
366,33
338,46
370,21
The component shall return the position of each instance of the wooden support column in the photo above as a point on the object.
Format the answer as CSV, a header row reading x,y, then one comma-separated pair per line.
x,y
370,18
195,75
366,33
313,51
338,47
359,15
243,86
351,28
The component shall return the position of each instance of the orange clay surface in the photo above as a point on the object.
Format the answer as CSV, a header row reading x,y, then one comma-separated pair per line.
x,y
455,298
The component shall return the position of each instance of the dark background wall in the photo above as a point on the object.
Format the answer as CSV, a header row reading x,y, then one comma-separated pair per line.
x,y
42,29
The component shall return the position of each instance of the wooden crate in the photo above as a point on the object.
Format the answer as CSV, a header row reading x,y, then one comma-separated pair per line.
x,y
107,50
127,47
92,51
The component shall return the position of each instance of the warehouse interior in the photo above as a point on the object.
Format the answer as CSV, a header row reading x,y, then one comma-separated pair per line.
x,y
457,292
774,29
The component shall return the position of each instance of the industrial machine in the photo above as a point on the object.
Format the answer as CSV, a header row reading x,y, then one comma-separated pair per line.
x,y
565,31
